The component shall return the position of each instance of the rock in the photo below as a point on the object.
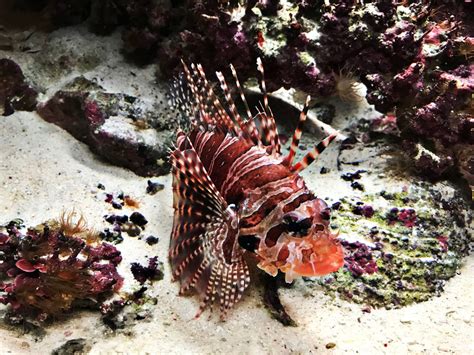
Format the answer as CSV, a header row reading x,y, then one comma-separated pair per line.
x,y
123,129
406,250
73,346
15,92
153,187
325,112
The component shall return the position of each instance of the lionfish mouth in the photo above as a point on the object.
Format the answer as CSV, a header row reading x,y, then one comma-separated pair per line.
x,y
308,256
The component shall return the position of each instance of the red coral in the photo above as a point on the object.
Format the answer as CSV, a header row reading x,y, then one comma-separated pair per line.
x,y
439,32
48,271
385,124
93,113
463,76
406,216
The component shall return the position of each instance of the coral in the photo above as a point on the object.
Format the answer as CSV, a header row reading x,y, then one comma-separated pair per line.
x,y
386,124
429,164
54,267
15,93
359,259
413,61
413,58
364,210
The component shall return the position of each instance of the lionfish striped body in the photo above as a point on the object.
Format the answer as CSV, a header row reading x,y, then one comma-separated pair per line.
x,y
235,193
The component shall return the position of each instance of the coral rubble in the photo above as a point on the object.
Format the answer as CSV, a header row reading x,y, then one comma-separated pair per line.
x,y
153,271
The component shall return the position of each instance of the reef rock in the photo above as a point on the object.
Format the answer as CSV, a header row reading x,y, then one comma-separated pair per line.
x,y
123,129
15,92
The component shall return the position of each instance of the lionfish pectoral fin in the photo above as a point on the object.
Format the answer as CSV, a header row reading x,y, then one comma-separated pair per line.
x,y
204,252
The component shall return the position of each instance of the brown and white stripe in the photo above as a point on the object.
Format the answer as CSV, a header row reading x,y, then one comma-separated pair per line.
x,y
232,188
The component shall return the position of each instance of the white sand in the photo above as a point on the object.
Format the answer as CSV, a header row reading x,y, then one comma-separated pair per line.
x,y
43,171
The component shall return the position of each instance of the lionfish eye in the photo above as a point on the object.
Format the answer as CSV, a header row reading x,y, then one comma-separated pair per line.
x,y
249,242
297,226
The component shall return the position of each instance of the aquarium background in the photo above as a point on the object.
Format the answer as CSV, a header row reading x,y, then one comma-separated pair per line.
x,y
87,125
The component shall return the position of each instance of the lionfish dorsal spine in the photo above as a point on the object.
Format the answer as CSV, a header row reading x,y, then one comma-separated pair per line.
x,y
268,123
230,102
249,122
295,141
218,109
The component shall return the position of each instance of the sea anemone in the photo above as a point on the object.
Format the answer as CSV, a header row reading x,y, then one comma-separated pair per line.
x,y
348,88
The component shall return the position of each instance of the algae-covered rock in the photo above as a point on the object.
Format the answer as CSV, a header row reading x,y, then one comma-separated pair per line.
x,y
401,246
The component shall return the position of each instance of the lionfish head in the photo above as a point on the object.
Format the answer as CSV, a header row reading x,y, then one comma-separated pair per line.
x,y
305,245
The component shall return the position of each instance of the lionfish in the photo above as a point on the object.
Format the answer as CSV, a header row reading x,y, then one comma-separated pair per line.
x,y
236,194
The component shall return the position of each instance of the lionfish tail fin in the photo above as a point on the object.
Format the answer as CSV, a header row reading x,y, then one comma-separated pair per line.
x,y
204,252
314,153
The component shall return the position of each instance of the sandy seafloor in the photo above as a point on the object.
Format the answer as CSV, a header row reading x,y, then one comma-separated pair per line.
x,y
44,171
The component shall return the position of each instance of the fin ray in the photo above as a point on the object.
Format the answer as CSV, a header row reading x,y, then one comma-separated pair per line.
x,y
204,251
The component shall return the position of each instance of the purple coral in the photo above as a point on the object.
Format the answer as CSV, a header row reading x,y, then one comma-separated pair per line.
x,y
51,268
364,210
